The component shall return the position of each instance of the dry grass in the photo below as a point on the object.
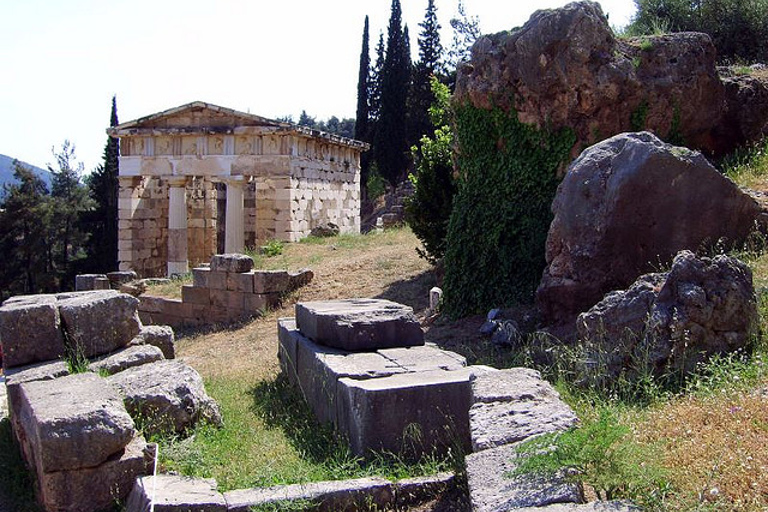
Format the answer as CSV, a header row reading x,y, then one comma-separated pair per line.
x,y
715,450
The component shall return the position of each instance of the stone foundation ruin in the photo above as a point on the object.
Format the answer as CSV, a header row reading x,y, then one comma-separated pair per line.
x,y
199,179
84,381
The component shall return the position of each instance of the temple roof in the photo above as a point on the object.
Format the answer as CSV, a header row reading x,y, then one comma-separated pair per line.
x,y
201,117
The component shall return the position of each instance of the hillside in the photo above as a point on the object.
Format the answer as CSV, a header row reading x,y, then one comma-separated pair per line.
x,y
6,171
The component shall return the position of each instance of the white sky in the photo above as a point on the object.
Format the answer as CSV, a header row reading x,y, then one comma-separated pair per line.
x,y
61,62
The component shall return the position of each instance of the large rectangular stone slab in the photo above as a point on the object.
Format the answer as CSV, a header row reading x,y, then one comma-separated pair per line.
x,y
493,487
271,281
124,358
99,322
73,422
173,493
359,324
424,358
408,412
512,405
98,488
334,496
231,263
319,368
15,377
30,330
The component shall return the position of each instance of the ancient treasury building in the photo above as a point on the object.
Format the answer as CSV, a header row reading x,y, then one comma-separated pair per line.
x,y
199,179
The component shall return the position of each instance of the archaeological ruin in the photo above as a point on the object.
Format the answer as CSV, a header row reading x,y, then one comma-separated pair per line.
x,y
199,179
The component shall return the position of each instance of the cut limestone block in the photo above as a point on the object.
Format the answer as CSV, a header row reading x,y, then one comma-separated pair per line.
x,y
124,358
512,405
73,422
300,278
98,488
288,336
359,324
14,377
161,336
271,281
30,330
424,358
334,496
119,277
200,277
595,506
169,396
174,493
84,282
100,322
195,295
493,487
412,411
231,263
319,368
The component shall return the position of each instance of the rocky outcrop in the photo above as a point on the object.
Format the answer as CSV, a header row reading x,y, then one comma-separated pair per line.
x,y
565,68
746,98
626,207
670,322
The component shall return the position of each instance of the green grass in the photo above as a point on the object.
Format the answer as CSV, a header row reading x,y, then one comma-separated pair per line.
x,y
271,437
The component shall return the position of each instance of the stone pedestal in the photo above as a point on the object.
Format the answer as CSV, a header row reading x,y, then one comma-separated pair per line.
x,y
234,238
177,226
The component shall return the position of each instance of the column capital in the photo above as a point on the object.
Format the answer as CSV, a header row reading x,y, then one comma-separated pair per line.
x,y
176,181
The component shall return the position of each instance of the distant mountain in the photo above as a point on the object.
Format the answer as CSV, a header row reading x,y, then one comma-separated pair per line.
x,y
6,172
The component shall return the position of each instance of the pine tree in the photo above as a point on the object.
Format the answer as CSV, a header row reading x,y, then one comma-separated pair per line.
x,y
429,64
70,203
24,235
101,222
466,30
391,143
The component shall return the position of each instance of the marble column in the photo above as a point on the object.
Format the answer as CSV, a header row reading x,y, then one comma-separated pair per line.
x,y
234,237
177,226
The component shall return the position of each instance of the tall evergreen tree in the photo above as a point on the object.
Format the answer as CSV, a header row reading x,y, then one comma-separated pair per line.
x,y
362,119
374,86
101,222
429,64
391,143
24,236
70,202
466,30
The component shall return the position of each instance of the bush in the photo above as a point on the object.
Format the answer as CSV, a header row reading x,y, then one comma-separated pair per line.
x,y
429,209
508,175
737,27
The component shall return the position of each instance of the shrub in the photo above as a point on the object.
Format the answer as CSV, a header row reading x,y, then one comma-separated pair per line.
x,y
508,175
428,210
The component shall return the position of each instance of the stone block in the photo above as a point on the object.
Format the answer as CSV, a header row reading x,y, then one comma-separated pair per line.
x,y
334,496
101,283
200,277
151,304
424,358
122,277
62,417
195,295
231,263
124,358
512,405
30,331
174,493
217,280
492,489
300,278
14,377
257,303
319,369
287,337
412,412
160,336
271,281
85,282
170,393
359,324
228,300
98,488
594,506
242,282
99,322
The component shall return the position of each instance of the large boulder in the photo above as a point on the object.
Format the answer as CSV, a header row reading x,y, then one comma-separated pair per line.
x,y
625,208
565,68
166,396
670,322
746,98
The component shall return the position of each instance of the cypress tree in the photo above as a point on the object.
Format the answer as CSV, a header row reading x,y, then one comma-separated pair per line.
x,y
374,87
429,64
362,129
391,144
101,222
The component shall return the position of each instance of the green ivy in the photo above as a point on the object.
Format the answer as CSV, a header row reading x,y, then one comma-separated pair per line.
x,y
502,211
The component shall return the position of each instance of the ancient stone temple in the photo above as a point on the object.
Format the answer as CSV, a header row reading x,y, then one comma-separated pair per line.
x,y
199,179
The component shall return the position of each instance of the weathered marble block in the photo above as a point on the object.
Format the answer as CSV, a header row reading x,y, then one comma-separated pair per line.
x,y
30,330
231,263
359,324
